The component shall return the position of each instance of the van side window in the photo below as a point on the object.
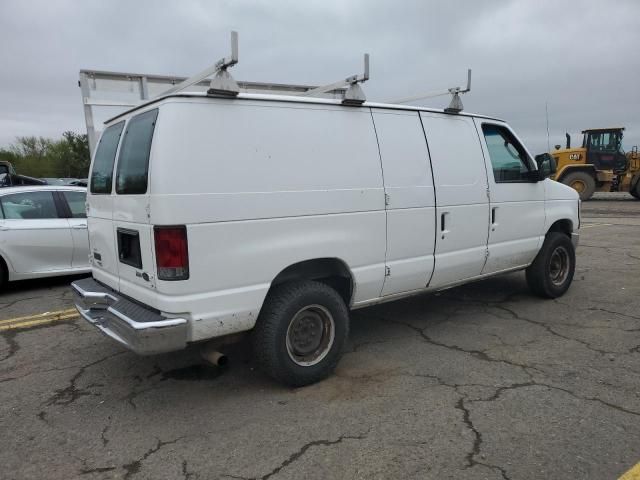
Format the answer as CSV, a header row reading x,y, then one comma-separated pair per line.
x,y
133,162
102,173
509,160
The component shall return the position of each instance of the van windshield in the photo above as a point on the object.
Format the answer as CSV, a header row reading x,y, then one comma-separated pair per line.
x,y
133,162
102,173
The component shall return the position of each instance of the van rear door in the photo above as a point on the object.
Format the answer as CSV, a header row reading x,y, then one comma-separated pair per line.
x,y
131,229
103,254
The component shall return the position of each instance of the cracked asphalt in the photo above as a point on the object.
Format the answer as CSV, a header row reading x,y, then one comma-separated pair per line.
x,y
483,381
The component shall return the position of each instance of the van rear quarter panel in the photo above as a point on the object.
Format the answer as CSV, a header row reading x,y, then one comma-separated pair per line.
x,y
261,186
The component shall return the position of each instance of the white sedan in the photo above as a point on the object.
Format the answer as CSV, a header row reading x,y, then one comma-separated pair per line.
x,y
43,232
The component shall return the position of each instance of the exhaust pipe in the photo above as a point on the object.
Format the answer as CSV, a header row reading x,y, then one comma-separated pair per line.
x,y
214,357
568,140
210,353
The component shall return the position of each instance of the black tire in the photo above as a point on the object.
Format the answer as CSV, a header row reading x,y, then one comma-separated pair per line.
x,y
547,276
4,275
291,311
581,182
635,191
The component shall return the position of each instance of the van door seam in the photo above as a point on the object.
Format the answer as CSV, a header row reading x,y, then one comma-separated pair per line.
x,y
386,207
435,201
489,203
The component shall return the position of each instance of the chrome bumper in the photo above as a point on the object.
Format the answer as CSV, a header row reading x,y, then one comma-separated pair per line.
x,y
135,326
575,239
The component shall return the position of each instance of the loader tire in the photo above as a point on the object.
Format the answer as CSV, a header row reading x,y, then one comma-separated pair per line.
x,y
635,191
581,182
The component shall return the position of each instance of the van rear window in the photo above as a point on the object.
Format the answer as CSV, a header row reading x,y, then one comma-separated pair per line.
x,y
133,162
102,173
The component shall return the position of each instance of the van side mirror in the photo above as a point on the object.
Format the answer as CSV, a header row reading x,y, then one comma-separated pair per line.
x,y
546,165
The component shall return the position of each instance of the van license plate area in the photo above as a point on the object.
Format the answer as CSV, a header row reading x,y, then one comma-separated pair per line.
x,y
129,247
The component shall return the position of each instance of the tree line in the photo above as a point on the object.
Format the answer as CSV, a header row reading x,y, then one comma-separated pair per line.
x,y
45,157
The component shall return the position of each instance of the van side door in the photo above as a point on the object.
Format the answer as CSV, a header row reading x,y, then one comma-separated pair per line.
x,y
462,212
516,199
410,200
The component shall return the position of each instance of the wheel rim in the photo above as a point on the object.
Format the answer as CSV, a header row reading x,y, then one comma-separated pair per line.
x,y
579,186
559,266
310,335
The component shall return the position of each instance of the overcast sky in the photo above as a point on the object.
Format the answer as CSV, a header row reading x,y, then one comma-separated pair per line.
x,y
582,58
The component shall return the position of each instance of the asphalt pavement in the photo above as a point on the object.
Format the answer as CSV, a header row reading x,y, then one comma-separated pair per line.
x,y
484,381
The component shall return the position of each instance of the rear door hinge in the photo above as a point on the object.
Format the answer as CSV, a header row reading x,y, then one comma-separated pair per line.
x,y
387,271
148,209
488,194
387,200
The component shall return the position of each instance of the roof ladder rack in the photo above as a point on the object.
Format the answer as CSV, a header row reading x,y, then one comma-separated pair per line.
x,y
222,83
456,102
354,95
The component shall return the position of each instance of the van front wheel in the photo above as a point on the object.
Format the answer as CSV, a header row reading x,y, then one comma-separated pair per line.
x,y
551,272
300,333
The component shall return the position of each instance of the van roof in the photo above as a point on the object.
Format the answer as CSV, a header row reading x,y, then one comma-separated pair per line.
x,y
292,99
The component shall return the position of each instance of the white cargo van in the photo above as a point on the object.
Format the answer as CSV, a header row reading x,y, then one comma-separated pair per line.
x,y
211,216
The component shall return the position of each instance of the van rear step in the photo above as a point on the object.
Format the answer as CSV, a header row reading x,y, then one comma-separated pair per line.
x,y
133,325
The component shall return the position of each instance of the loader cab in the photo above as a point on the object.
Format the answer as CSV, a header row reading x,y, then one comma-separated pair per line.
x,y
604,148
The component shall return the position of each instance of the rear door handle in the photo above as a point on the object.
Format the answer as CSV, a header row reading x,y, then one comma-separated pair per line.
x,y
443,224
82,226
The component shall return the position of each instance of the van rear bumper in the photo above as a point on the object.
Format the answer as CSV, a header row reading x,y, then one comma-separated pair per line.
x,y
135,326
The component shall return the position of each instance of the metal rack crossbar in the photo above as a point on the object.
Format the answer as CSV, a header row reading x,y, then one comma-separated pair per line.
x,y
117,89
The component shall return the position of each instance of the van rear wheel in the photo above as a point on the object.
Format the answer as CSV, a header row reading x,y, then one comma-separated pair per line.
x,y
300,333
551,273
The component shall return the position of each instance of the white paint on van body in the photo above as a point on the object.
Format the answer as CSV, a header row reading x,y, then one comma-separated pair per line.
x,y
518,208
264,182
461,193
410,200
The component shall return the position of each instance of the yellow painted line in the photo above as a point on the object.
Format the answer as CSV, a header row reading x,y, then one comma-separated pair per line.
x,y
39,319
33,323
38,316
632,474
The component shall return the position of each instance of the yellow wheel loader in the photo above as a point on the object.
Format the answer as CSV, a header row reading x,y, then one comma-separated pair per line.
x,y
599,165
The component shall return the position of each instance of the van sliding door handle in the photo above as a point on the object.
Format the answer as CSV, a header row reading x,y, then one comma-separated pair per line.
x,y
493,218
442,224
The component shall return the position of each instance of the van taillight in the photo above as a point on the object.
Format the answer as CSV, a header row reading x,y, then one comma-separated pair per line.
x,y
172,255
